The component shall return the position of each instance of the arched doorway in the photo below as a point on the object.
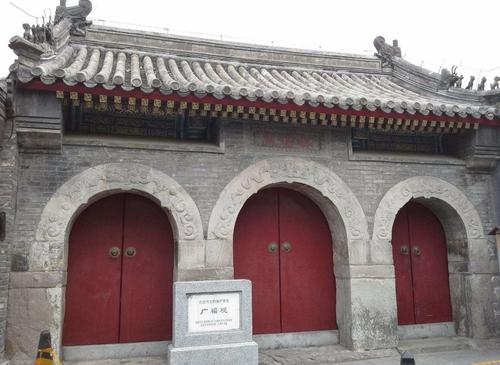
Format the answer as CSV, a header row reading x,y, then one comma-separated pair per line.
x,y
421,266
282,243
120,273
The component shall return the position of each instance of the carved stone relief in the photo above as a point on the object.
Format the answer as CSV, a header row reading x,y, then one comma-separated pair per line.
x,y
286,170
467,245
424,187
55,223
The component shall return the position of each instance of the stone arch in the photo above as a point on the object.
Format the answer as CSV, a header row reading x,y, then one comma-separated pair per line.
x,y
308,174
422,187
465,239
48,251
340,206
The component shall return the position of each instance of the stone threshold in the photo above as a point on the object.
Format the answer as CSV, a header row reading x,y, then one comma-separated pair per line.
x,y
416,331
338,354
114,351
324,355
159,349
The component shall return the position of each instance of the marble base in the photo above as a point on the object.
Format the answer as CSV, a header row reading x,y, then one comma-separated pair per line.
x,y
229,354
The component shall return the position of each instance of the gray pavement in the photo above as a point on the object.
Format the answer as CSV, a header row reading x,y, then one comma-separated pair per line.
x,y
463,357
430,351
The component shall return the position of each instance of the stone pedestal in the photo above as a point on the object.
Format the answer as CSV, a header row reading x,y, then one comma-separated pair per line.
x,y
240,353
366,306
213,324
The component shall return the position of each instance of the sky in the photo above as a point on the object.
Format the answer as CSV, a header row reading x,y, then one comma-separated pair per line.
x,y
433,34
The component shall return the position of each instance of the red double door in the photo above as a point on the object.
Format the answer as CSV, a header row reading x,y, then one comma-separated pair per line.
x,y
120,273
421,266
282,243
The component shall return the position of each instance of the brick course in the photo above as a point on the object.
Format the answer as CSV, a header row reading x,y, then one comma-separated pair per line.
x,y
8,188
204,175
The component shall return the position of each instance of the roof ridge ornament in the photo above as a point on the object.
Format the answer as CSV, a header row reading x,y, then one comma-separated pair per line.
x,y
76,14
450,79
495,84
482,84
51,36
43,42
385,51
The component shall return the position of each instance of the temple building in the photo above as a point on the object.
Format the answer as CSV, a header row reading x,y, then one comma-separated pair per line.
x,y
355,192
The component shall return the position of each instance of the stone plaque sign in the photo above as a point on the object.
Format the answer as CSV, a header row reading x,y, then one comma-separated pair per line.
x,y
212,324
213,312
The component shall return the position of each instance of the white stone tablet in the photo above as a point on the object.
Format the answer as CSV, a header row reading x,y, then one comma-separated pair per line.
x,y
213,312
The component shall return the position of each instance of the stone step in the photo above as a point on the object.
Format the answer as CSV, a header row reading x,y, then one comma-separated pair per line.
x,y
339,354
318,355
286,356
325,355
436,344
129,361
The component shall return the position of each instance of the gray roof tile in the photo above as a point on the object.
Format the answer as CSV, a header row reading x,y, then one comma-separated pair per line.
x,y
221,78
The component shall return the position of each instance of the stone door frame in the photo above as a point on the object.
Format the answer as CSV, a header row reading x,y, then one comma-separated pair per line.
x,y
350,238
48,256
468,257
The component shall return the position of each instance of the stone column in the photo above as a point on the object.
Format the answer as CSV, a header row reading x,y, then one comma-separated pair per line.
x,y
496,232
366,306
8,189
482,289
35,304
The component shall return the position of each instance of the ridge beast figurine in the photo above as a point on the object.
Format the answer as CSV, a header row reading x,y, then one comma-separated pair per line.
x,y
385,51
77,14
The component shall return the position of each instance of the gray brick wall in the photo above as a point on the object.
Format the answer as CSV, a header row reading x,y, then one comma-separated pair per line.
x,y
496,195
204,175
8,187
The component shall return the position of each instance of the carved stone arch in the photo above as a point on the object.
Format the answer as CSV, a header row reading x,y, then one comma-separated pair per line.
x,y
338,203
317,181
424,187
49,250
469,260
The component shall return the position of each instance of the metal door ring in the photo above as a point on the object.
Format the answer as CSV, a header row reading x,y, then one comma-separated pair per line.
x,y
272,247
287,247
130,251
114,252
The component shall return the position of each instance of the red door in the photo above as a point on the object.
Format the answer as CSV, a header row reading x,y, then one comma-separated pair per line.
x,y
125,296
421,266
282,243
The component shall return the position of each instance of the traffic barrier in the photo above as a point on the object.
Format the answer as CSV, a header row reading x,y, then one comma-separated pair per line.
x,y
407,359
46,354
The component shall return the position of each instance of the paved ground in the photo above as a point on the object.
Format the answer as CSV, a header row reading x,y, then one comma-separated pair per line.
x,y
461,357
338,354
464,357
435,351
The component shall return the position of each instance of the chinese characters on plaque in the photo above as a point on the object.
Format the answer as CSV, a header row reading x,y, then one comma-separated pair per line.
x,y
213,312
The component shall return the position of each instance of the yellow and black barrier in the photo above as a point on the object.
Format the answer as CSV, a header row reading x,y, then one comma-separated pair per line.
x,y
45,354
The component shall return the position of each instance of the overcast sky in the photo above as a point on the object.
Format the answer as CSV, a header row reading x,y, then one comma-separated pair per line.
x,y
432,33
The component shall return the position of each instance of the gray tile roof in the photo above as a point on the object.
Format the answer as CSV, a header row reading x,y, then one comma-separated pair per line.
x,y
94,63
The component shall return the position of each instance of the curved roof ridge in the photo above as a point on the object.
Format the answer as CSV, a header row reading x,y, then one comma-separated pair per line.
x,y
227,43
222,69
